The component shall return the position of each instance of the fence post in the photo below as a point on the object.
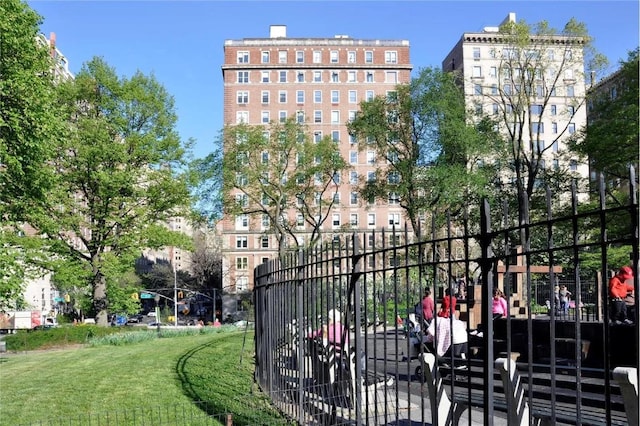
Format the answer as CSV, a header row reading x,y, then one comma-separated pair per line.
x,y
487,265
355,277
301,335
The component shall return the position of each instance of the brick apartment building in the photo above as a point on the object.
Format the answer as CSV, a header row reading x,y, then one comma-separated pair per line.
x,y
320,81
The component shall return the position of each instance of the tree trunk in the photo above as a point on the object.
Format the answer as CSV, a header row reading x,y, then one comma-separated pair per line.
x,y
100,302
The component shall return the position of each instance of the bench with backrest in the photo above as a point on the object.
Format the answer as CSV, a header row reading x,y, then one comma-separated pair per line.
x,y
511,393
566,406
627,378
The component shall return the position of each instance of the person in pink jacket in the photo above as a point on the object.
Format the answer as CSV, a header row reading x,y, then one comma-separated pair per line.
x,y
499,306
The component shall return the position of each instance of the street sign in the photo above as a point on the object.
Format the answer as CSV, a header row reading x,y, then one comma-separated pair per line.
x,y
146,296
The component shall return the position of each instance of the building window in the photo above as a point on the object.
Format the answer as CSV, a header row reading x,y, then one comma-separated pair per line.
x,y
265,76
394,198
242,263
317,96
265,57
299,57
242,117
353,219
554,127
300,220
371,157
243,76
265,117
335,77
335,96
368,57
317,136
495,109
243,57
282,77
477,89
266,221
369,95
283,116
282,96
493,72
242,242
353,157
351,76
369,77
571,110
351,57
264,241
353,97
300,96
476,53
336,178
300,116
571,128
353,198
335,117
371,219
391,57
242,283
317,116
537,127
335,219
536,109
393,178
243,97
477,71
353,178
554,146
573,165
333,56
317,56
282,56
391,77
570,91
317,76
394,219
554,110
242,222
371,176
300,77
265,97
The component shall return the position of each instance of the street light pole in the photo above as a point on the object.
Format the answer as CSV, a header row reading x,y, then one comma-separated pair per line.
x,y
157,299
175,295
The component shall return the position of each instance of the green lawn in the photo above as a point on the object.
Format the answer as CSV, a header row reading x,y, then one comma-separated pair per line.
x,y
149,382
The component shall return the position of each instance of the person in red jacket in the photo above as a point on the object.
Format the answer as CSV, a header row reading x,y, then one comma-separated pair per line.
x,y
448,306
618,290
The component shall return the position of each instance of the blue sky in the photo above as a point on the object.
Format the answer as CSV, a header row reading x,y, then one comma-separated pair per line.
x,y
181,42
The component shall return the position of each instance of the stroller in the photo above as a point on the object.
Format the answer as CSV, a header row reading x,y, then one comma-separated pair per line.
x,y
415,330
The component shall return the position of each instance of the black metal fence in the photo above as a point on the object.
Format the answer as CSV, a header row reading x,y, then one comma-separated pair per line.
x,y
387,369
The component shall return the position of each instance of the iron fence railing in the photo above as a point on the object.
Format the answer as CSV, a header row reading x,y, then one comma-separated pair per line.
x,y
361,291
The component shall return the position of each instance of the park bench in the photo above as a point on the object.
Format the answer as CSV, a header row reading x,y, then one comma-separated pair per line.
x,y
335,381
627,378
467,388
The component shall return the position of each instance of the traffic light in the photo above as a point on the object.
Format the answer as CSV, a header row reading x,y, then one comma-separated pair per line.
x,y
180,294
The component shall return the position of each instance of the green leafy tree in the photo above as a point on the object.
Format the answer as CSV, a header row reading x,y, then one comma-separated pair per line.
x,y
533,70
611,140
30,124
118,179
432,154
280,171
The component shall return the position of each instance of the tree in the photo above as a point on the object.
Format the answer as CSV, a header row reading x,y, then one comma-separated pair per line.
x,y
432,154
281,172
117,178
206,264
537,65
611,140
30,124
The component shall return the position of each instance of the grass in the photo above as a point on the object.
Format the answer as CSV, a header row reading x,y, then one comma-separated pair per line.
x,y
127,381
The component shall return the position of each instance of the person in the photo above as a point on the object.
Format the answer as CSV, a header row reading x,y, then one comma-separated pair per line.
x,y
556,298
564,295
618,290
448,306
499,306
448,335
335,332
428,306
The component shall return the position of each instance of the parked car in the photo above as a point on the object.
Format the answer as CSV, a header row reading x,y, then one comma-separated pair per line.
x,y
156,324
135,319
43,327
